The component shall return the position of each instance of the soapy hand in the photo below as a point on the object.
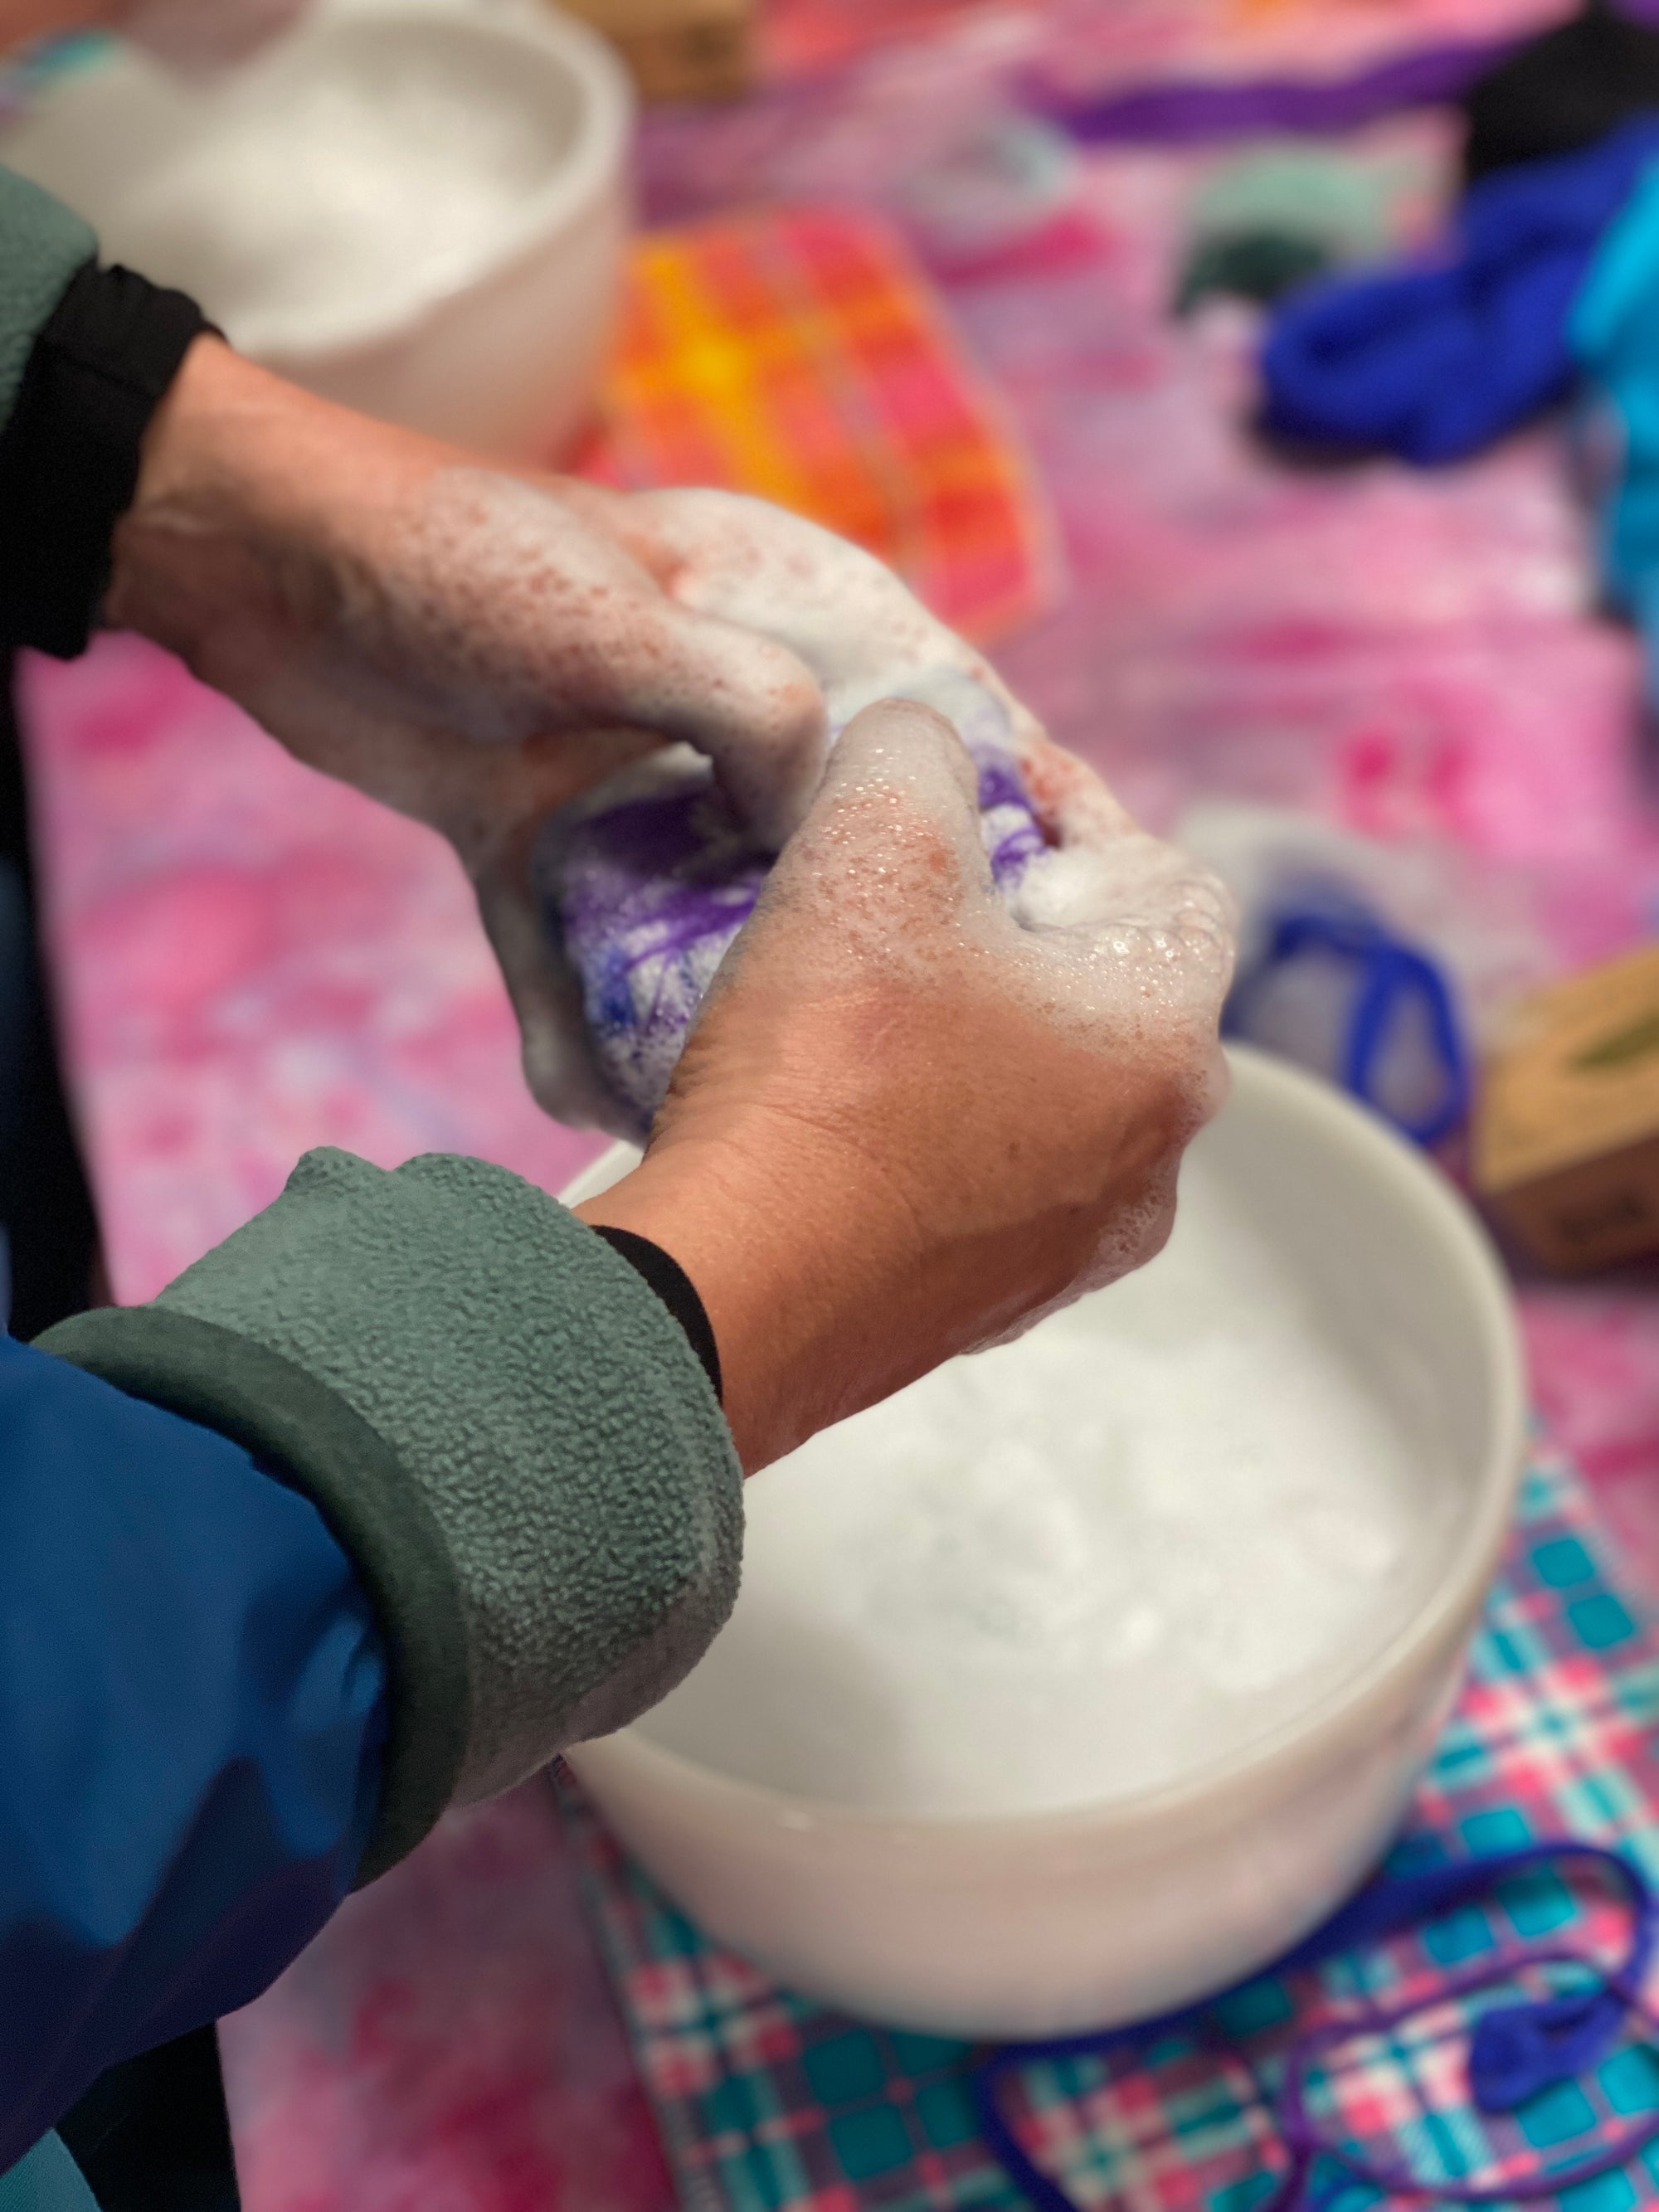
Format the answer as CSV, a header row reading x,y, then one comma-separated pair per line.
x,y
646,883
472,646
909,1120
838,609
914,1115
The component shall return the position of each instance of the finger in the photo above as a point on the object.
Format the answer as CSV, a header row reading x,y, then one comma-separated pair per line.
x,y
849,619
1071,801
1149,920
742,700
905,750
839,609
519,614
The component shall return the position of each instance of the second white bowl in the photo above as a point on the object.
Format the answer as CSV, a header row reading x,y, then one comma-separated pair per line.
x,y
415,210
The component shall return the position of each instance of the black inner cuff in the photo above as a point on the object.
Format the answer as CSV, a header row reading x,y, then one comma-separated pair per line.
x,y
69,454
678,1291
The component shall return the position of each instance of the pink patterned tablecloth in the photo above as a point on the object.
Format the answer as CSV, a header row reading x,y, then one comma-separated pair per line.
x,y
1139,41
254,960
251,959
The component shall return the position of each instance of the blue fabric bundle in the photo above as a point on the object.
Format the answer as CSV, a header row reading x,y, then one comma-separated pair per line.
x,y
1434,360
1615,337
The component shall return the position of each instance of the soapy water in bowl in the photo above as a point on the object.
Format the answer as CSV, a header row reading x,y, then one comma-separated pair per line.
x,y
307,203
1080,1566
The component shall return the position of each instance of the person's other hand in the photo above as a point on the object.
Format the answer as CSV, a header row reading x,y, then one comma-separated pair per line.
x,y
472,646
843,613
847,617
908,1123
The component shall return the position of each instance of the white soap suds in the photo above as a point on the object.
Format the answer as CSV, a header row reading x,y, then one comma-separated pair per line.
x,y
1079,1567
1124,940
1142,932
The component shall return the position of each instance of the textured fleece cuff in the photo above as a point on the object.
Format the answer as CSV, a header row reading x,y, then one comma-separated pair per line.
x,y
533,1403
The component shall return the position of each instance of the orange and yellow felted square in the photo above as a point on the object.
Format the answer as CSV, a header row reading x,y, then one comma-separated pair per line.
x,y
800,354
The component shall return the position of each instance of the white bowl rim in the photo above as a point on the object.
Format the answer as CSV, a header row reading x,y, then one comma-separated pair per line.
x,y
594,161
1444,1617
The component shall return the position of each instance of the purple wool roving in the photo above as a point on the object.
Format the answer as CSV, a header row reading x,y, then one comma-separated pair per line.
x,y
644,884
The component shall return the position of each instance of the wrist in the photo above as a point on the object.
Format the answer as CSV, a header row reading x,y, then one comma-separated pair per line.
x,y
177,558
200,428
773,1283
242,479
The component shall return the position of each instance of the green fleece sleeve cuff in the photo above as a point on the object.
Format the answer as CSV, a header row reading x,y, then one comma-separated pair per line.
x,y
506,1427
42,244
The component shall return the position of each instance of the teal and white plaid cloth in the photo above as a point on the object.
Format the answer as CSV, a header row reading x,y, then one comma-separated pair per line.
x,y
768,2103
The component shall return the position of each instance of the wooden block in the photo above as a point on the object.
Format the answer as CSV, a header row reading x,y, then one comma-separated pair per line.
x,y
1566,1134
679,49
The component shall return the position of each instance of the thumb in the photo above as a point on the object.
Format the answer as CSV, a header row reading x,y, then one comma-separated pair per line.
x,y
895,827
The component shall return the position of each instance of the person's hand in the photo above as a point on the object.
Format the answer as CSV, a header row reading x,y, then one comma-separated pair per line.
x,y
472,646
908,1123
850,620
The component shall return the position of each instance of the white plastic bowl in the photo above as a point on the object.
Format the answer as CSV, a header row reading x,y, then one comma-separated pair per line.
x,y
470,277
1049,1923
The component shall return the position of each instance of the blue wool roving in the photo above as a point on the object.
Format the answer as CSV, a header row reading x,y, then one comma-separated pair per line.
x,y
1437,358
1615,337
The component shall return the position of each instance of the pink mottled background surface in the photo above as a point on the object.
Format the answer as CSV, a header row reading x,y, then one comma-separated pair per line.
x,y
254,961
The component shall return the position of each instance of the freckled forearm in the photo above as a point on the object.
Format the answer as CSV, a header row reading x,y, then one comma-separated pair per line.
x,y
231,438
241,478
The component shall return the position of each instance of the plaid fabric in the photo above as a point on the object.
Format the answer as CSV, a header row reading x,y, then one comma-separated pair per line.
x,y
769,2104
800,354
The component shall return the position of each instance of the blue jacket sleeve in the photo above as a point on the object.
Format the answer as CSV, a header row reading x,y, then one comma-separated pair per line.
x,y
193,1700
